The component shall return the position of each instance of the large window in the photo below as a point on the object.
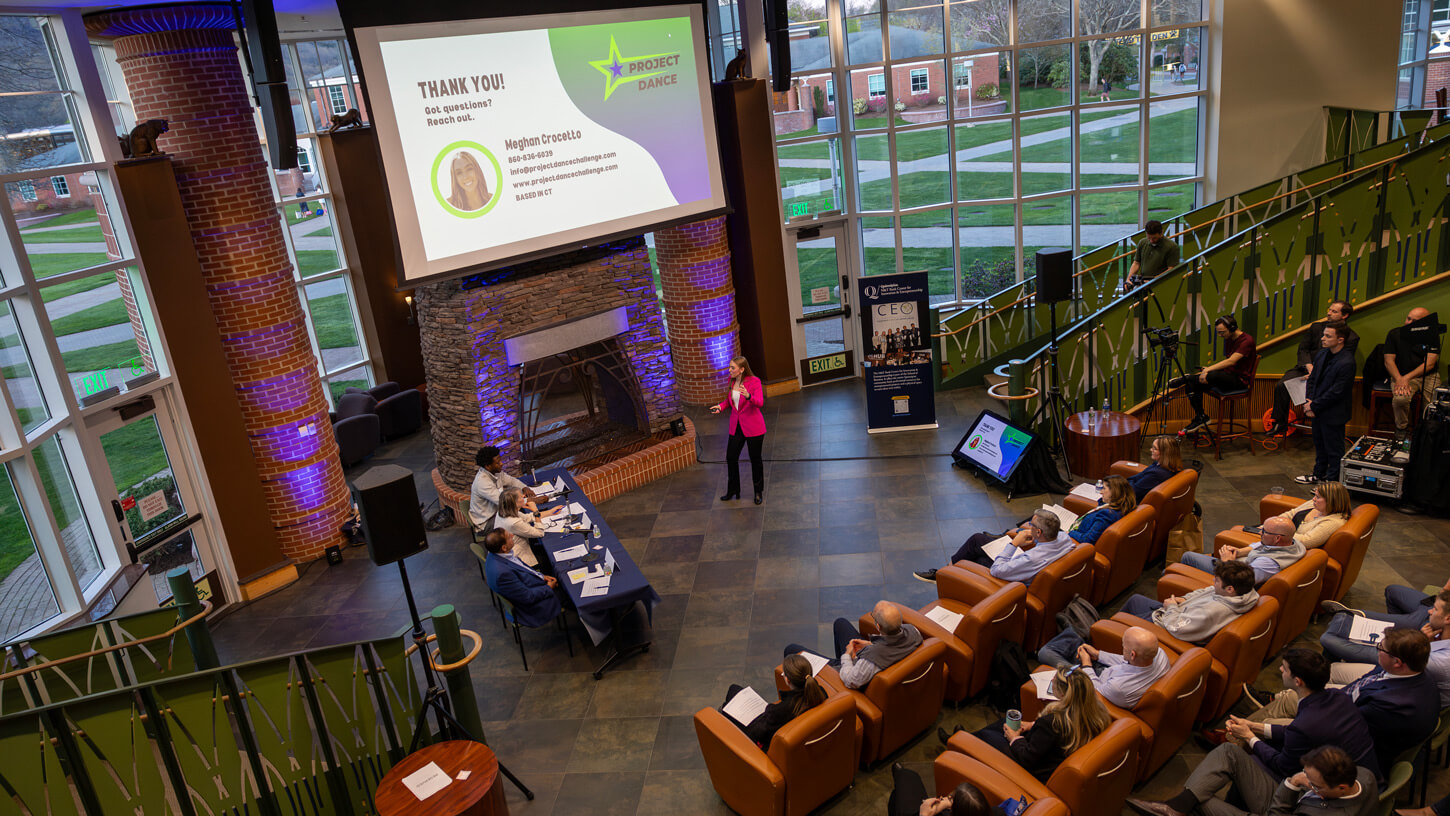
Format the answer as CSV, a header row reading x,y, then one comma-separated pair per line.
x,y
982,130
1424,42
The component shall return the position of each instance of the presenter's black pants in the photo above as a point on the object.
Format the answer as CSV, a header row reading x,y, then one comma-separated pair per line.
x,y
1221,379
1328,450
737,441
1282,402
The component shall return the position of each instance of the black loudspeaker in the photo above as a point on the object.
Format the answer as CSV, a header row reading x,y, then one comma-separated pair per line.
x,y
777,36
269,77
392,522
1054,275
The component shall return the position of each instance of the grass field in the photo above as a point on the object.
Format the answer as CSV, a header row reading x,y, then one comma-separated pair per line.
x,y
332,320
48,265
80,234
110,313
68,288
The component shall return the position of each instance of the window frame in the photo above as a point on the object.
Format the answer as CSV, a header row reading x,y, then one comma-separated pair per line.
x,y
871,80
925,76
336,99
57,183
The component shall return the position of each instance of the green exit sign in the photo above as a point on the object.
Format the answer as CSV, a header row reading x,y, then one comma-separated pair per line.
x,y
797,208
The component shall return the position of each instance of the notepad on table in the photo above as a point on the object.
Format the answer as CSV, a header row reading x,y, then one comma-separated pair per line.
x,y
544,489
595,586
576,509
1362,628
745,706
576,551
997,546
817,662
577,575
1087,491
1043,681
947,618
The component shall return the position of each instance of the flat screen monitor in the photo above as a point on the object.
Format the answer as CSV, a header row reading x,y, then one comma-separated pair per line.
x,y
994,446
511,138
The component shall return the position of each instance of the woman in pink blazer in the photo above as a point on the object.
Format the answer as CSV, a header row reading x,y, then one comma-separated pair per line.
x,y
747,427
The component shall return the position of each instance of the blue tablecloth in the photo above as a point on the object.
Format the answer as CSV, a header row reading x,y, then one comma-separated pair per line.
x,y
626,586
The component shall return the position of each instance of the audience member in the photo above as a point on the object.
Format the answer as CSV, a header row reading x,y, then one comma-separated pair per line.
x,y
801,694
908,798
1118,500
530,592
1121,679
1330,785
1323,717
860,659
1064,726
1327,402
1440,808
1167,462
1414,368
1337,644
1229,374
1309,345
1405,607
1036,543
1276,549
1316,519
488,484
1197,616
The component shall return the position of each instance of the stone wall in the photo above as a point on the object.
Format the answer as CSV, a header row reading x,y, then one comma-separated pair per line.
x,y
473,394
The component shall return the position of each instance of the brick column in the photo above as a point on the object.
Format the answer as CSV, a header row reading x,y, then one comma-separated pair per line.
x,y
123,280
181,65
699,301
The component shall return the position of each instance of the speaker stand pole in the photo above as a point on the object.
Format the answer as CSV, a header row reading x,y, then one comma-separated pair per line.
x,y
1054,406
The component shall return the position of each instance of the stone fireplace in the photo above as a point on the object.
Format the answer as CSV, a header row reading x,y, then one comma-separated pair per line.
x,y
562,360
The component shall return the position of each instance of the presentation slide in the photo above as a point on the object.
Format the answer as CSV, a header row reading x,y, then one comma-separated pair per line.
x,y
994,445
510,138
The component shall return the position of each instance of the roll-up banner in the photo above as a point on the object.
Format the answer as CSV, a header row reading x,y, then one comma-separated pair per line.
x,y
897,353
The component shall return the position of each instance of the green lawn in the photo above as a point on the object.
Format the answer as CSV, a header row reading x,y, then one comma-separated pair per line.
x,y
68,288
312,262
110,313
83,234
134,452
95,358
324,232
48,265
332,320
78,216
337,387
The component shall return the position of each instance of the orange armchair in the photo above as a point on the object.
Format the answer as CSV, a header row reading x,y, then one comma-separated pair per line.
x,y
1094,781
952,769
1297,588
1345,548
900,702
811,759
1049,592
1120,553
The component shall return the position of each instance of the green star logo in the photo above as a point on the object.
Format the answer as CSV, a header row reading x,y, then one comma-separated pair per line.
x,y
613,67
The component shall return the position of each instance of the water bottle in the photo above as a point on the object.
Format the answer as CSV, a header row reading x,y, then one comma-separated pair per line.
x,y
1092,417
1106,408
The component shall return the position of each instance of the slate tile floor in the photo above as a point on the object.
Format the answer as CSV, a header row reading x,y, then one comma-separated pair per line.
x,y
738,582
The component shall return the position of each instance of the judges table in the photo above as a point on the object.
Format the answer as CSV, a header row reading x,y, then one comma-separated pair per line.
x,y
601,614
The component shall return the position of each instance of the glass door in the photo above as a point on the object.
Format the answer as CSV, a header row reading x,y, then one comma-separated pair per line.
x,y
822,296
155,510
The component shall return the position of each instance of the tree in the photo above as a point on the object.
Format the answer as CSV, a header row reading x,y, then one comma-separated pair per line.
x,y
1104,17
25,68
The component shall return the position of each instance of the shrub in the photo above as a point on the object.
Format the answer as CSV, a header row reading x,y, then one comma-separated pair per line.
x,y
899,106
981,278
941,100
876,105
988,90
858,106
818,96
921,100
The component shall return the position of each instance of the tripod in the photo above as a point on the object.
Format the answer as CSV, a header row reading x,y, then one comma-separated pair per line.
x,y
435,699
1163,375
1053,406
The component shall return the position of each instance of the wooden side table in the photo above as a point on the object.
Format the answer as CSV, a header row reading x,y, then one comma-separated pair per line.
x,y
1092,449
481,794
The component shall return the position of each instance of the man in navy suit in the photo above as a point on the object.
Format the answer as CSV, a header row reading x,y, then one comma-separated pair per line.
x,y
1328,401
1399,701
531,592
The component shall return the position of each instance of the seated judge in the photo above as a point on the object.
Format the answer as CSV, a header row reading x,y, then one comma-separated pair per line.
x,y
1197,616
802,693
1275,550
489,484
515,517
1064,726
530,591
1036,543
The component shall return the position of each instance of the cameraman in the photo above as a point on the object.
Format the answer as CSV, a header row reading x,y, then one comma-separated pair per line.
x,y
1229,374
1154,256
1309,344
1412,366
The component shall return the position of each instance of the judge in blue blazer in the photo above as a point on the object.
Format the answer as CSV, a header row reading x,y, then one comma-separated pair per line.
x,y
531,592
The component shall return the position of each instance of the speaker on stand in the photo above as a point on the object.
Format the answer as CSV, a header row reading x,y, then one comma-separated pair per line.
x,y
1054,284
392,522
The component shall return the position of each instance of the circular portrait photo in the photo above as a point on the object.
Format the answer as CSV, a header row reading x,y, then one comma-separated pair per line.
x,y
467,179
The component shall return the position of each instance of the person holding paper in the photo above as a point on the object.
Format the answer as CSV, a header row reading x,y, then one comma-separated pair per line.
x,y
1323,717
1197,616
1338,645
520,524
1276,549
1327,402
803,692
1064,726
1309,345
1330,785
1036,543
1167,462
1316,519
747,428
861,659
531,592
1117,501
488,484
1121,679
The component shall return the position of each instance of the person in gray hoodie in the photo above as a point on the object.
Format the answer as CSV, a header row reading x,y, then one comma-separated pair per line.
x,y
1199,615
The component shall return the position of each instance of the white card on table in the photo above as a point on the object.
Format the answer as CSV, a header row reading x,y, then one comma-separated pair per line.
x,y
593,587
426,781
576,551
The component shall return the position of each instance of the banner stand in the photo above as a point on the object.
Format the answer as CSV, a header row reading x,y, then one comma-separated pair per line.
x,y
897,353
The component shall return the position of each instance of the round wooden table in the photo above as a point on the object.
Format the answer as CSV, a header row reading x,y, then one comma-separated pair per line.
x,y
1092,449
481,794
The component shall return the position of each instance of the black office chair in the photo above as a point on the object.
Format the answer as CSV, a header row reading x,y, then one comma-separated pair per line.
x,y
506,611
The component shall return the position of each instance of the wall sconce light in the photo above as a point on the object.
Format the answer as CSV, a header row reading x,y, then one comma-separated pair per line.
x,y
412,317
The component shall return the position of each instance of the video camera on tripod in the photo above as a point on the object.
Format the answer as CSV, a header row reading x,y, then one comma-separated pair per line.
x,y
1165,337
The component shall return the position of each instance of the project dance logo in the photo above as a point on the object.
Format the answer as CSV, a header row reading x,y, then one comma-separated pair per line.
x,y
649,71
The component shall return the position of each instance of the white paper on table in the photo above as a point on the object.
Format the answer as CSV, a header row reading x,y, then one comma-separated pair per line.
x,y
1361,628
996,547
545,489
1064,515
559,484
576,509
947,618
462,775
583,523
576,551
577,575
598,585
1043,681
610,565
817,662
426,781
552,523
745,706
1087,491
1298,388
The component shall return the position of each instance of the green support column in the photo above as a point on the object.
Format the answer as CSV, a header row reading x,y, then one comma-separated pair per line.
x,y
183,591
460,686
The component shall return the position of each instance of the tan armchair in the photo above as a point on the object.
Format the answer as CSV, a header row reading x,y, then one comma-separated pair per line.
x,y
1094,781
1048,593
900,702
1345,548
1173,500
1121,552
952,769
811,759
1297,588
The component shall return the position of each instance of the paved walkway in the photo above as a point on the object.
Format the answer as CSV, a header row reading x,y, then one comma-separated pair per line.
x,y
28,598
